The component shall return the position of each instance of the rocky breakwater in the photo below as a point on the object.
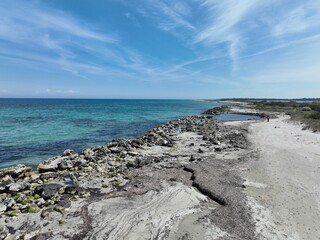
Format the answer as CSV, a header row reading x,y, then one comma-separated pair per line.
x,y
52,201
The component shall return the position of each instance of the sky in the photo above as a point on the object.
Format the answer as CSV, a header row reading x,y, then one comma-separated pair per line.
x,y
177,49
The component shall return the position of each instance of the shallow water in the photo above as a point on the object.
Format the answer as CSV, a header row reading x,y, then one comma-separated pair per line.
x,y
32,130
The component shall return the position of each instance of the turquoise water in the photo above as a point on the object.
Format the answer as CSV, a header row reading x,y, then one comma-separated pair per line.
x,y
32,130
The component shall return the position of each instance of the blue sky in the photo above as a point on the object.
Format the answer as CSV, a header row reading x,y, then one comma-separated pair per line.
x,y
160,48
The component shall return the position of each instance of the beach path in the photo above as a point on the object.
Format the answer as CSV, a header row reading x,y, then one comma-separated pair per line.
x,y
283,181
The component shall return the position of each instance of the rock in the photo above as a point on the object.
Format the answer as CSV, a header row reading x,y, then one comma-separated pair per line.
x,y
80,162
136,143
9,202
49,175
101,151
73,178
17,171
17,187
64,204
115,150
34,177
87,153
40,202
4,232
3,208
192,158
200,150
70,154
33,208
6,182
65,164
88,169
48,190
74,190
50,165
46,212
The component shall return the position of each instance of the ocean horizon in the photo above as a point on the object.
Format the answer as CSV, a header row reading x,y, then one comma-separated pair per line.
x,y
33,129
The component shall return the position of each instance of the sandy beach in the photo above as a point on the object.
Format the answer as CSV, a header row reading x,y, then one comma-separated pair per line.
x,y
193,178
284,181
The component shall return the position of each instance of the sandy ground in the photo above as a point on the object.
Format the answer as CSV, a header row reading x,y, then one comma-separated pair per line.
x,y
283,182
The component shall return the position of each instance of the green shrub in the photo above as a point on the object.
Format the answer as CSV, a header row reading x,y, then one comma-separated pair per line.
x,y
315,115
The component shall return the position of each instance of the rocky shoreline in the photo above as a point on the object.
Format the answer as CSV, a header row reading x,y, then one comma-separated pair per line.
x,y
82,195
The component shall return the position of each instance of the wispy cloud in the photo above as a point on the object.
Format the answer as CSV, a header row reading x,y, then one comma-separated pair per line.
x,y
299,19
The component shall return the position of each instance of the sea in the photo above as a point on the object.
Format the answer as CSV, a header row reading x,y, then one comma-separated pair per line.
x,y
32,130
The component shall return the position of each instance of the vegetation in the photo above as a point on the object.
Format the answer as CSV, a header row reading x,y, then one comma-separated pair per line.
x,y
307,113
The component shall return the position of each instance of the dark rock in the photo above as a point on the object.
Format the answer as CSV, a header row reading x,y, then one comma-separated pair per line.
x,y
192,158
75,190
64,203
48,190
200,150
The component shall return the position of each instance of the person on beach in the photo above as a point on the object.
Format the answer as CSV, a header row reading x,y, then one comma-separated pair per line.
x,y
268,118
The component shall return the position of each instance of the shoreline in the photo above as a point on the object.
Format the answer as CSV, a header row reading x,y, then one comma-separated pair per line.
x,y
186,179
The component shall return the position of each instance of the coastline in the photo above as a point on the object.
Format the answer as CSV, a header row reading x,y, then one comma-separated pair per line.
x,y
186,179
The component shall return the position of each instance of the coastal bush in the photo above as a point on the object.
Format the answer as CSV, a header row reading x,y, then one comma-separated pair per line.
x,y
315,115
311,119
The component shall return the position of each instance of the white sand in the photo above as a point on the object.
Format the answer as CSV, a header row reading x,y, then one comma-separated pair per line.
x,y
284,181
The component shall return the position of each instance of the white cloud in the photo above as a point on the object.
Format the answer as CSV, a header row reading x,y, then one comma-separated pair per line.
x,y
297,20
225,24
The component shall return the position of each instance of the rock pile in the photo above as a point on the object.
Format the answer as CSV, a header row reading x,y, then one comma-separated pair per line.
x,y
72,176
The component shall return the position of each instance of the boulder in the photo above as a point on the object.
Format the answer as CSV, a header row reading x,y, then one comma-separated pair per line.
x,y
9,202
6,182
19,186
48,190
17,171
50,165
74,190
